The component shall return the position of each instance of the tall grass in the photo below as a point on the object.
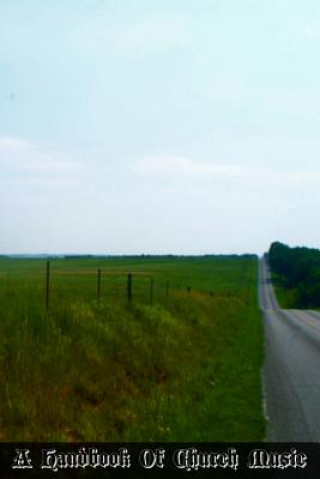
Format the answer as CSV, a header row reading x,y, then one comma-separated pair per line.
x,y
186,368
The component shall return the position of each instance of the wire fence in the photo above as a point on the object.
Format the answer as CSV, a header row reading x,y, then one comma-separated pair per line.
x,y
102,284
50,285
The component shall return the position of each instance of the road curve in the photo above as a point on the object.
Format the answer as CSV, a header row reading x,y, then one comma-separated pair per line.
x,y
292,367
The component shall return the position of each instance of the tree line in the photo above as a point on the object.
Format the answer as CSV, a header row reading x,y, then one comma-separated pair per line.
x,y
298,270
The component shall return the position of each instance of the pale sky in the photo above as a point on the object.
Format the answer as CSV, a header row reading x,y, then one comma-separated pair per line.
x,y
173,126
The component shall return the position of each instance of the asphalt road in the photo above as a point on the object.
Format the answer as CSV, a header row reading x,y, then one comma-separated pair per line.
x,y
292,368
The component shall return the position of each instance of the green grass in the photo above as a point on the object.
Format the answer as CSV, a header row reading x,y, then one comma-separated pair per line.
x,y
187,368
287,298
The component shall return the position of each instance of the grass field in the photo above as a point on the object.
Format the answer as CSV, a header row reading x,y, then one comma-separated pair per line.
x,y
186,368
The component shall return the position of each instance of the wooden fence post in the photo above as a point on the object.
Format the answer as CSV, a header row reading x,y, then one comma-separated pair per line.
x,y
129,287
47,285
151,291
99,286
248,295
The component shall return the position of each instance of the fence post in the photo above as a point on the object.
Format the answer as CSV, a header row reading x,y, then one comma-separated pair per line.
x,y
151,291
248,295
129,287
99,286
188,289
47,285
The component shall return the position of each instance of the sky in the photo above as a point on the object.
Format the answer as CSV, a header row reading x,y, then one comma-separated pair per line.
x,y
148,127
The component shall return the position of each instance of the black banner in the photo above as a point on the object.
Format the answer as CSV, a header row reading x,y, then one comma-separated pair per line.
x,y
181,460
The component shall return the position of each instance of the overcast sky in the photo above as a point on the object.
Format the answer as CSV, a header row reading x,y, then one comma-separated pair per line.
x,y
172,126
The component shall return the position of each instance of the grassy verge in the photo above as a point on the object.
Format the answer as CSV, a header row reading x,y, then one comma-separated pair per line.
x,y
287,298
187,369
